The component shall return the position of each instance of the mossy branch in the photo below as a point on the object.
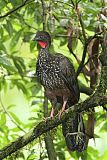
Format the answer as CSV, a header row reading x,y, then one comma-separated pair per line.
x,y
96,99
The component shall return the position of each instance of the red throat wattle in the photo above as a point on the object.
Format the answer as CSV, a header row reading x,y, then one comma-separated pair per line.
x,y
42,44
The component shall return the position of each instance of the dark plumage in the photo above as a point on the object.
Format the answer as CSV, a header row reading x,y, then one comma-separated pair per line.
x,y
56,73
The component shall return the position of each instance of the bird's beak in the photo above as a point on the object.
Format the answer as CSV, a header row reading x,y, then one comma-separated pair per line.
x,y
36,38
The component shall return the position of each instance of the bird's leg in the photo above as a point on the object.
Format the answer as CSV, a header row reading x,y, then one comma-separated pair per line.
x,y
52,112
62,109
54,103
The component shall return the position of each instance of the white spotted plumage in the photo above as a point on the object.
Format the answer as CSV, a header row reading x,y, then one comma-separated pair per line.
x,y
48,70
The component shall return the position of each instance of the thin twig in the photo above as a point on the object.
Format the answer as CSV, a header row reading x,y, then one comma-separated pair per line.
x,y
17,8
85,39
43,14
72,3
83,60
104,107
81,22
78,1
90,58
2,105
75,133
85,51
64,3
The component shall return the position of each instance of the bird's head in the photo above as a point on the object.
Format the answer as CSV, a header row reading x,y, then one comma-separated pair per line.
x,y
43,38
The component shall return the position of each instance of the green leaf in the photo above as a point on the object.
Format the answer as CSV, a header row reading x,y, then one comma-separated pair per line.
x,y
61,155
21,86
6,64
1,31
104,127
27,37
92,153
9,28
32,46
2,47
15,129
3,84
15,39
15,117
10,106
15,3
32,155
19,64
3,119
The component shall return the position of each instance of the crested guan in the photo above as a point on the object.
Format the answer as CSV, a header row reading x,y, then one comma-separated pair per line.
x,y
57,75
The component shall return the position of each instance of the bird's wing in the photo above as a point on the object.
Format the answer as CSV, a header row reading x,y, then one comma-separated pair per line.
x,y
69,76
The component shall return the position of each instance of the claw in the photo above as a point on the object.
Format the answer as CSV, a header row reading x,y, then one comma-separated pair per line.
x,y
51,115
45,119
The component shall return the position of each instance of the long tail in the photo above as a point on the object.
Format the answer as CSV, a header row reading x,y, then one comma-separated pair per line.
x,y
74,133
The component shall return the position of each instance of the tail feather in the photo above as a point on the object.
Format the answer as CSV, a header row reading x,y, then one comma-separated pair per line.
x,y
74,133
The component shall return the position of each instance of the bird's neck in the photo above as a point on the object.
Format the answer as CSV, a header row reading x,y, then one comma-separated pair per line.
x,y
44,53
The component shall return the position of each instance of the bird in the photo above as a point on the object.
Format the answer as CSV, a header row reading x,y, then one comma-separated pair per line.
x,y
57,75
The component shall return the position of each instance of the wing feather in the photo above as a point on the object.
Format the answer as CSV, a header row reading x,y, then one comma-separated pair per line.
x,y
69,76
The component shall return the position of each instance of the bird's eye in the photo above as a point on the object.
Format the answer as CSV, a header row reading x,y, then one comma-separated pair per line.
x,y
40,36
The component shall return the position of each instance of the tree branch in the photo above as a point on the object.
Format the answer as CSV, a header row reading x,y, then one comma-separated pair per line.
x,y
48,137
86,41
17,8
85,51
81,23
83,59
44,127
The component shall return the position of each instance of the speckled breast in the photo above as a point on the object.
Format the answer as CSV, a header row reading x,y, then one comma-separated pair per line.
x,y
48,73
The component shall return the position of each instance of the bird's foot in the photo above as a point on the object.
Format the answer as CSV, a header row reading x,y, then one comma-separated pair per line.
x,y
46,118
60,114
51,115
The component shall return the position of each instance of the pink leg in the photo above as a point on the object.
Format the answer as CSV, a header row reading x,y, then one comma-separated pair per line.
x,y
62,110
52,113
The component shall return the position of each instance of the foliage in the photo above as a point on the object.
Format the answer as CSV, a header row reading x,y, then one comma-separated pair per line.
x,y
21,96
